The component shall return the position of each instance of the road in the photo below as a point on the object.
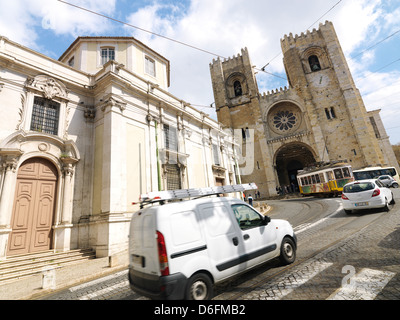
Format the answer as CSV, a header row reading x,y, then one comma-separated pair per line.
x,y
339,257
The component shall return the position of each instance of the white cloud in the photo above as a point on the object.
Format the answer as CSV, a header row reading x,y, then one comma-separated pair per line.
x,y
222,27
23,20
22,32
382,91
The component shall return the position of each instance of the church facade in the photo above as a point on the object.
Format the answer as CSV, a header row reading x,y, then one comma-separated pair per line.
x,y
82,137
319,117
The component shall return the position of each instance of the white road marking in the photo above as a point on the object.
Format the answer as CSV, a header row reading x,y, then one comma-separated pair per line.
x,y
365,285
287,284
305,226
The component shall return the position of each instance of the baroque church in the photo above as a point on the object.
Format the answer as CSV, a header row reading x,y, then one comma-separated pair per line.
x,y
82,137
319,117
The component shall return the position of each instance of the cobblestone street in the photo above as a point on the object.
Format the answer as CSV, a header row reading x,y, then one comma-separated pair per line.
x,y
340,257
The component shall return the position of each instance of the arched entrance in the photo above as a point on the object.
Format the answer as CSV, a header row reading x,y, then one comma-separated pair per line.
x,y
289,159
33,207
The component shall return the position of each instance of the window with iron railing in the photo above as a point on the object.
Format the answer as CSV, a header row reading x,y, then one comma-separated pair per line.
x,y
45,115
170,138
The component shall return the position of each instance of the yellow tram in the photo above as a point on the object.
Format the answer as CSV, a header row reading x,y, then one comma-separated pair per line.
x,y
325,179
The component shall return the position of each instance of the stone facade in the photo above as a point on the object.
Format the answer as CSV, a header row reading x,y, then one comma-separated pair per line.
x,y
102,120
319,117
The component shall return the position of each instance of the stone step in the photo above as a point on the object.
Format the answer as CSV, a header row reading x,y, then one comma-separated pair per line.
x,y
16,267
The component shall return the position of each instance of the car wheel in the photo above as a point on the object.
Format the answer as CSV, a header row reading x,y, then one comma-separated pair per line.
x,y
387,206
395,185
393,201
199,287
288,251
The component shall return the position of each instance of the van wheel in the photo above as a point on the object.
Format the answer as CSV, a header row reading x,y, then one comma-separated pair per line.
x,y
199,287
288,251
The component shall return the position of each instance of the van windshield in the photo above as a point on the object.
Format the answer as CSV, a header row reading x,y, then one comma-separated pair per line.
x,y
358,187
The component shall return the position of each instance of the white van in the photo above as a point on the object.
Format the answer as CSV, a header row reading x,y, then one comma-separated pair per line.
x,y
180,250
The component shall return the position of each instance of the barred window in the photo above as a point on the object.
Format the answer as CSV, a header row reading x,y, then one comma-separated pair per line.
x,y
216,155
173,177
45,115
170,138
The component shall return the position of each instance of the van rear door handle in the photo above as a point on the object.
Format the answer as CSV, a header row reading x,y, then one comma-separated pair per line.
x,y
235,241
246,236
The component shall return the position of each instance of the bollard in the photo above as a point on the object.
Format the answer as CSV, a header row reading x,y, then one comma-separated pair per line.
x,y
48,278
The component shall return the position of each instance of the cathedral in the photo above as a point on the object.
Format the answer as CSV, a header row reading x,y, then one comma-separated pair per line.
x,y
319,117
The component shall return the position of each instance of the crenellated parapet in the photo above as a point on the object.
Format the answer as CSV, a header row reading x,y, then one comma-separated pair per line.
x,y
282,94
231,62
290,41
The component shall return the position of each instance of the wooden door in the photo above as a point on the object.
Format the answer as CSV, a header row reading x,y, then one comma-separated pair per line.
x,y
33,209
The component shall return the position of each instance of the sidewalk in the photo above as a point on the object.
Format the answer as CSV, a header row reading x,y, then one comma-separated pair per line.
x,y
60,278
38,285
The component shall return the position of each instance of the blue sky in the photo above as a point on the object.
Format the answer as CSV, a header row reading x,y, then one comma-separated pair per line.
x,y
224,27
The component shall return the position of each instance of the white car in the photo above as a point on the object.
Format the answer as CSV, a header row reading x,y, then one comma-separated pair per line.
x,y
366,194
388,181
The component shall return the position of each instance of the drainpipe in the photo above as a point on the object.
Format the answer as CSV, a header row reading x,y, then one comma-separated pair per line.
x,y
158,158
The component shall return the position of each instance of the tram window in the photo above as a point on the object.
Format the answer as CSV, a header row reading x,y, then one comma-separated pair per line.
x,y
317,178
302,181
330,175
313,179
338,173
321,178
346,172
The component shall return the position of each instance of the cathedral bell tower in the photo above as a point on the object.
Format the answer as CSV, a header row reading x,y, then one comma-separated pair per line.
x,y
317,69
237,104
320,117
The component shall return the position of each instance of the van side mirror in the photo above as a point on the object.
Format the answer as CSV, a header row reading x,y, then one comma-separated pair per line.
x,y
266,220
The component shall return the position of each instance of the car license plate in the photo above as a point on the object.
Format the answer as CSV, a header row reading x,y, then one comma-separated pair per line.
x,y
361,204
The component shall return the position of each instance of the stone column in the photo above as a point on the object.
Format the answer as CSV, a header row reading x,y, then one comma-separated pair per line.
x,y
64,224
9,166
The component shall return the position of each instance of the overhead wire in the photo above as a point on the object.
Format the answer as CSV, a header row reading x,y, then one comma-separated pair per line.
x,y
141,29
375,44
158,35
276,56
220,56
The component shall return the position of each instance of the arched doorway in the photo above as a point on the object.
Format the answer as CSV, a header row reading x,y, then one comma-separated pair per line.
x,y
33,207
289,159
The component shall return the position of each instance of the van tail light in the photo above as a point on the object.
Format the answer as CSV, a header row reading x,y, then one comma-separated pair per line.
x,y
344,197
376,192
162,254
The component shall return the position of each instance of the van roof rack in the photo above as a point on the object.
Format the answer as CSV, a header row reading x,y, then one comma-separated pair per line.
x,y
162,196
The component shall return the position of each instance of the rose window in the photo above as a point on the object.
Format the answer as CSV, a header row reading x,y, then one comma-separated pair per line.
x,y
284,120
